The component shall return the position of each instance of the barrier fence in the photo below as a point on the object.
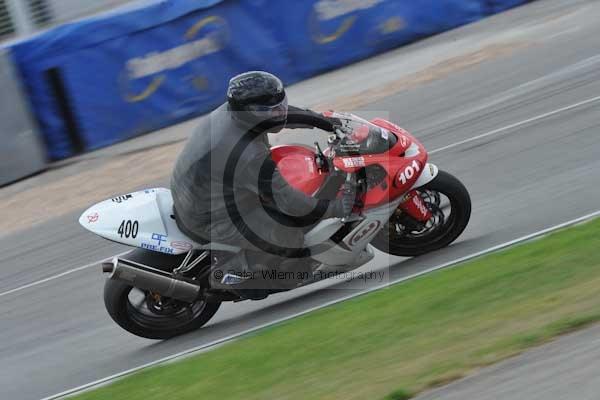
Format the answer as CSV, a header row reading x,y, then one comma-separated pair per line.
x,y
21,152
24,17
104,79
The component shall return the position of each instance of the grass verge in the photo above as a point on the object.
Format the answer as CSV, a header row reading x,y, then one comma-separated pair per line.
x,y
399,341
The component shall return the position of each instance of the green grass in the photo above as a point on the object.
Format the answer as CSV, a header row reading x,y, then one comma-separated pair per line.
x,y
399,341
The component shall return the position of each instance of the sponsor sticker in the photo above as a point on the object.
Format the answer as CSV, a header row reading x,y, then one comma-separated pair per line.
x,y
365,232
353,162
93,218
121,199
161,249
159,238
420,205
181,246
403,140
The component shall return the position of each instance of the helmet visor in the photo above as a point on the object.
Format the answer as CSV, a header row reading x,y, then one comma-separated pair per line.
x,y
277,112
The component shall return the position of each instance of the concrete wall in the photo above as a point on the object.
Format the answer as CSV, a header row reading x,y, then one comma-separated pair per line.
x,y
25,17
65,10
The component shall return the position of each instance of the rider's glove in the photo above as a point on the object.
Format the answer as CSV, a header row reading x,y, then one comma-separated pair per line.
x,y
335,122
332,121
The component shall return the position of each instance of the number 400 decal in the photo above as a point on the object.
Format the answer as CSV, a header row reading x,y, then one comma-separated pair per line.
x,y
409,172
129,229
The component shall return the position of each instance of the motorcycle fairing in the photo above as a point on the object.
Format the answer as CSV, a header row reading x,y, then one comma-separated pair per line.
x,y
141,219
144,219
354,249
151,212
298,167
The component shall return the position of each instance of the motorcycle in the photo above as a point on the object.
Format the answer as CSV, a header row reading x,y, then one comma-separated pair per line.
x,y
404,206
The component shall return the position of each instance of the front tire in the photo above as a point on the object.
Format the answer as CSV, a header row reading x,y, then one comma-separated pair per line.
x,y
142,317
398,239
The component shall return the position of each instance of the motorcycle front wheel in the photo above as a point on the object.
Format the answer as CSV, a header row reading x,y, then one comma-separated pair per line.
x,y
450,206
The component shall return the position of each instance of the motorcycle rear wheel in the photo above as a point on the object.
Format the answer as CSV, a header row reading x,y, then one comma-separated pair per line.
x,y
149,316
398,240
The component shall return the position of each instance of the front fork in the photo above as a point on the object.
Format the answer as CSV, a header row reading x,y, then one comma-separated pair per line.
x,y
414,206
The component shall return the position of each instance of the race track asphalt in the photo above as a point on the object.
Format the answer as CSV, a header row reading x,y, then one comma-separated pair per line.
x,y
57,335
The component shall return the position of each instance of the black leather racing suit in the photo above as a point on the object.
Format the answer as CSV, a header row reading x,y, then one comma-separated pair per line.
x,y
219,186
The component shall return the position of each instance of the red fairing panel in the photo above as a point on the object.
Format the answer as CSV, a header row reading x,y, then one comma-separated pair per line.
x,y
298,167
405,139
402,171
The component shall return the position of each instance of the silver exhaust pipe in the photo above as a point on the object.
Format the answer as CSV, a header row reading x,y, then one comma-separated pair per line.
x,y
147,278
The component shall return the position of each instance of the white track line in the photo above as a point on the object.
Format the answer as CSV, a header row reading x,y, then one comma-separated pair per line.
x,y
208,346
54,277
517,124
494,132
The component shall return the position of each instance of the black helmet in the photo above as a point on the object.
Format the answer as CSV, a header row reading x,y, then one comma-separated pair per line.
x,y
257,97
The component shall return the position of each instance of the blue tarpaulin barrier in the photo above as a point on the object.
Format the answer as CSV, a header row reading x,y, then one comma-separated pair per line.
x,y
321,35
105,79
131,73
496,6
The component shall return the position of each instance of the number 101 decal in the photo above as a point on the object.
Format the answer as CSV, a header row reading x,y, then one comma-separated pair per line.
x,y
409,172
129,229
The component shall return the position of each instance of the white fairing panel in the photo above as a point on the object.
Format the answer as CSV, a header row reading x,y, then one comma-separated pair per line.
x,y
322,232
141,219
356,250
429,173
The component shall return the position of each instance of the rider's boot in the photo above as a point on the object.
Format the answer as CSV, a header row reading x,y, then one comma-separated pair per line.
x,y
253,275
233,272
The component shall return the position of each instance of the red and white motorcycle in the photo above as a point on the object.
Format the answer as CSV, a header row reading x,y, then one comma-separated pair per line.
x,y
406,207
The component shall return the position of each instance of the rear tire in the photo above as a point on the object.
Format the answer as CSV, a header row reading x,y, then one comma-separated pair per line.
x,y
160,326
460,202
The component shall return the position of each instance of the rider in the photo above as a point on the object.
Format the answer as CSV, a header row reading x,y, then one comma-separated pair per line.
x,y
227,188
